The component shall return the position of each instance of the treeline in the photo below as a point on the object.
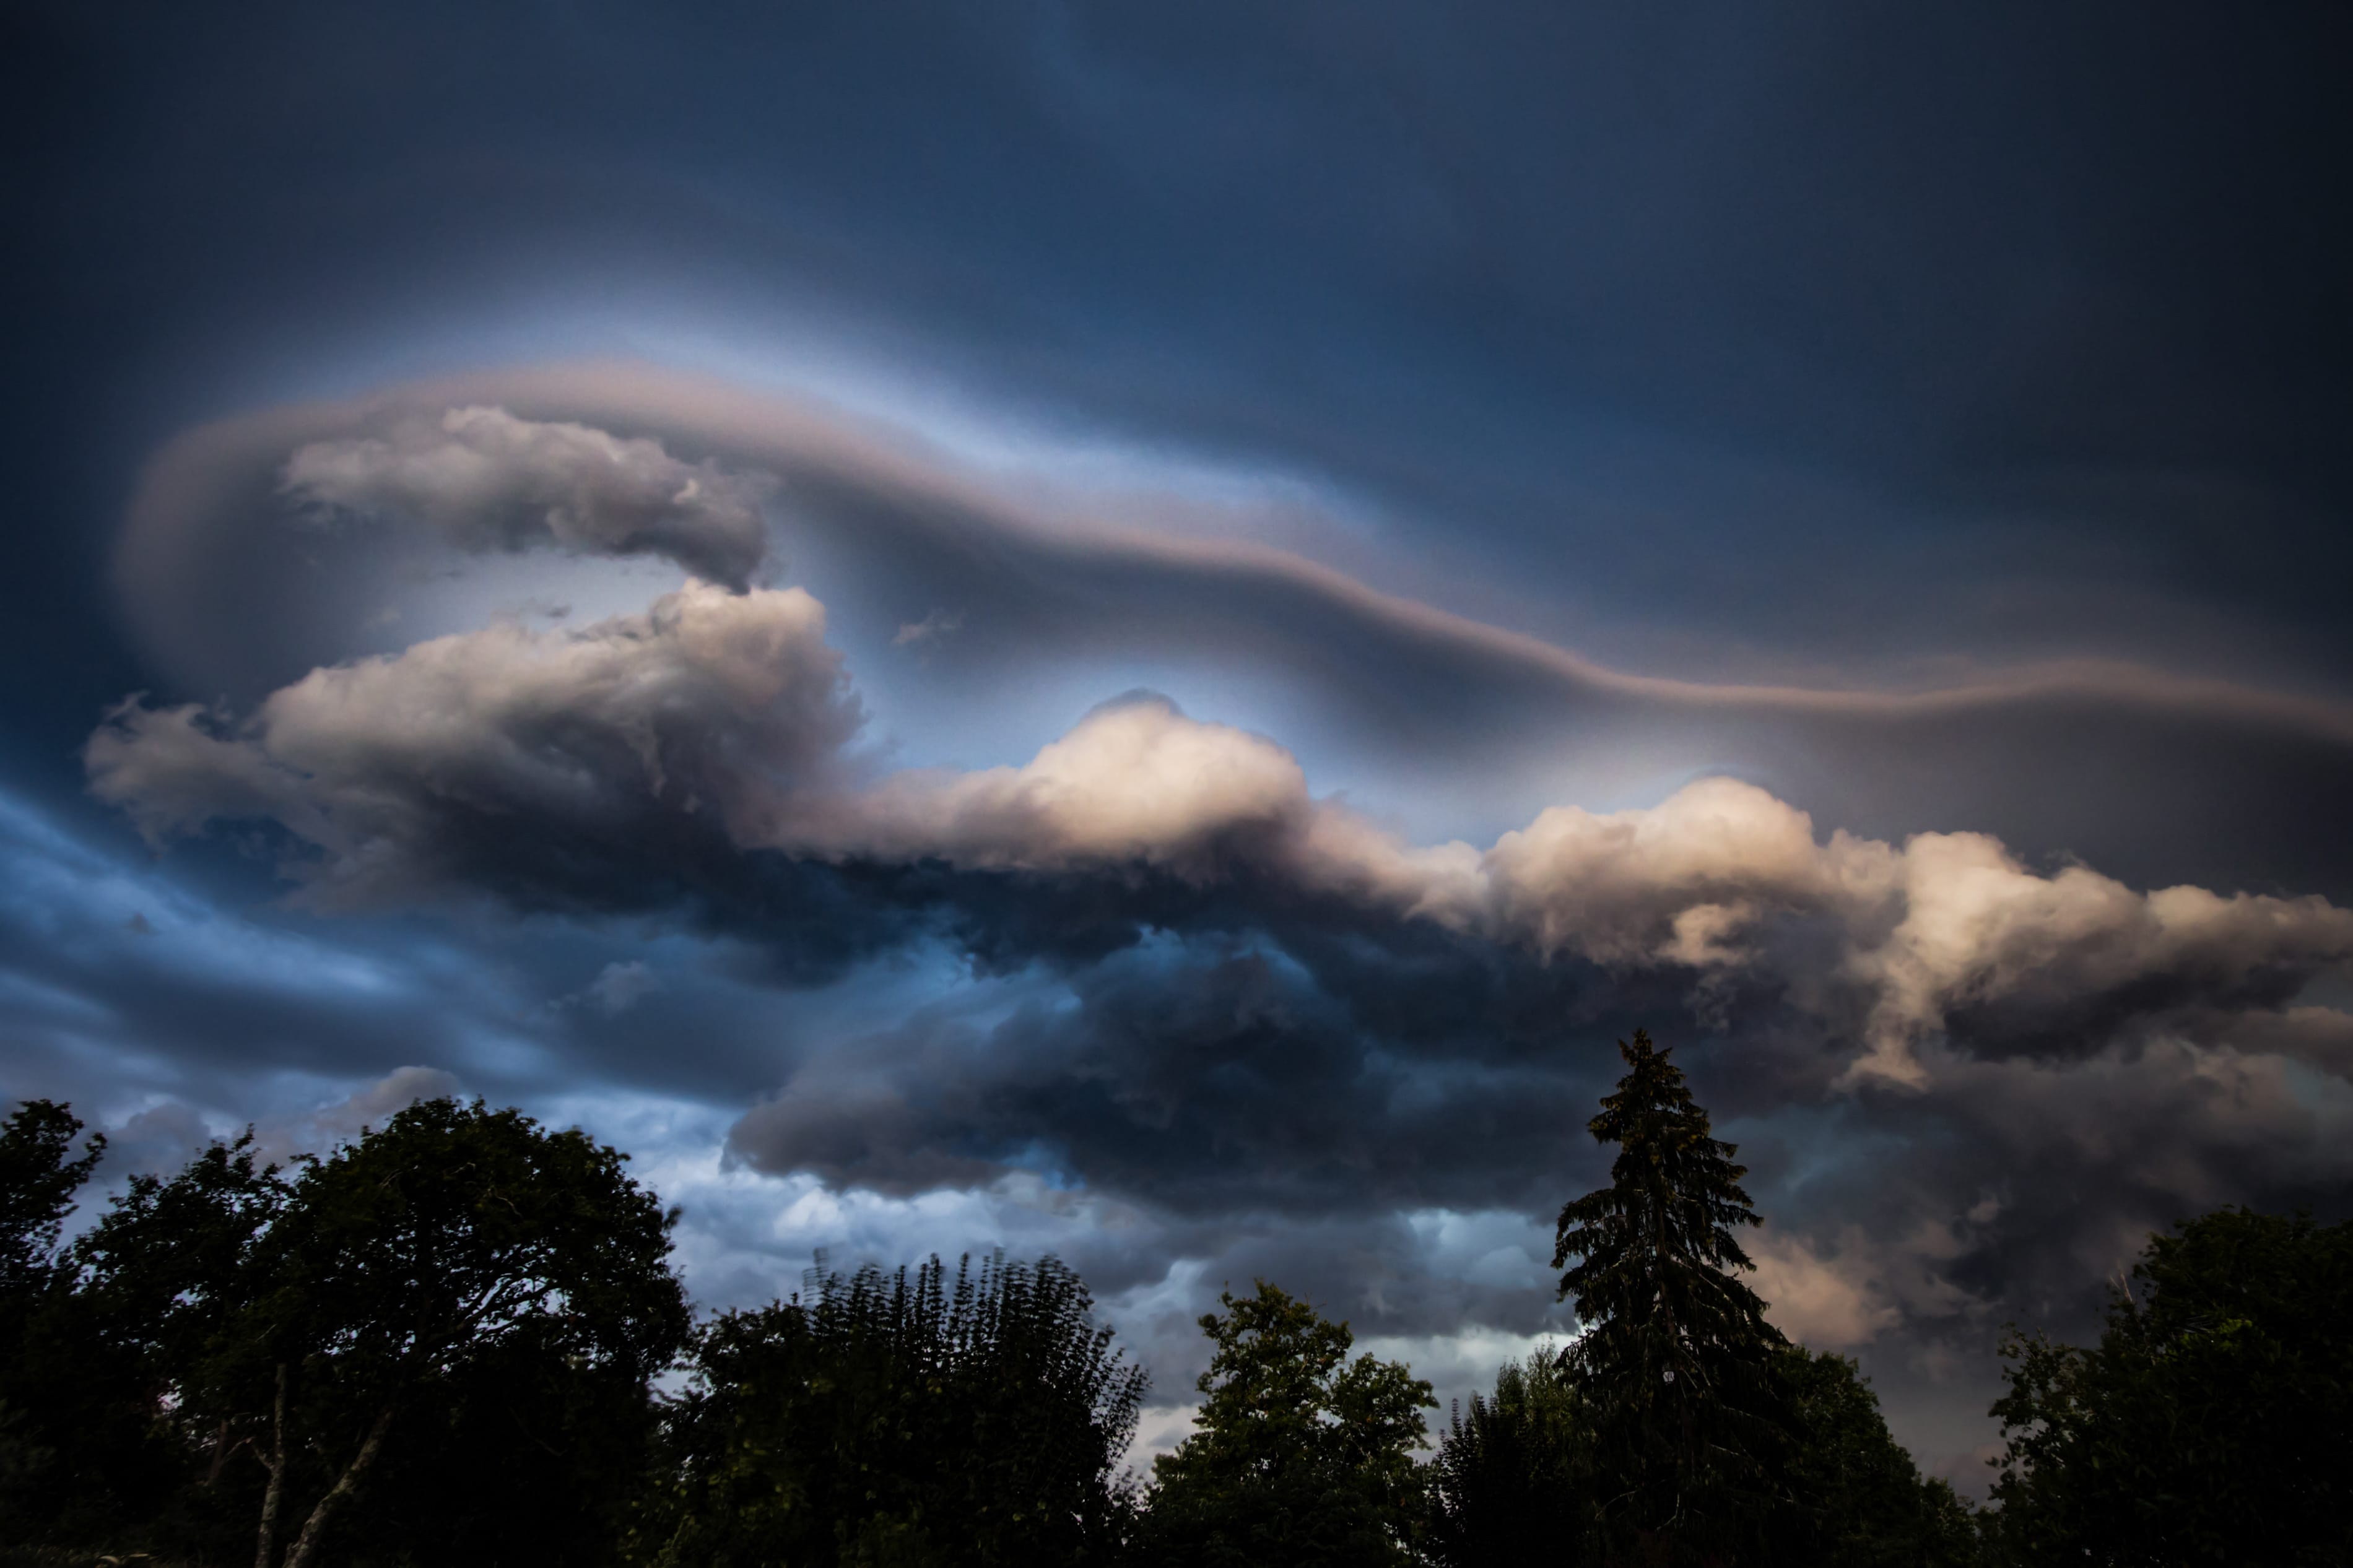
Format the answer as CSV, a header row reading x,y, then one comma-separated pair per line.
x,y
458,1341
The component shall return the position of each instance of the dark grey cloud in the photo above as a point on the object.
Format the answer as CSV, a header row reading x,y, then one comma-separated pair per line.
x,y
617,760
1244,1013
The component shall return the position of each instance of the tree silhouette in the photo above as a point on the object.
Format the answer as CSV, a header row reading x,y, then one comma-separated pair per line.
x,y
1675,1362
1302,1455
395,1336
2213,1423
919,1420
1513,1473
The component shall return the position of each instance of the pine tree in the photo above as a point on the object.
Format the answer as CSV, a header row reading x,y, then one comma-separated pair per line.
x,y
1676,1361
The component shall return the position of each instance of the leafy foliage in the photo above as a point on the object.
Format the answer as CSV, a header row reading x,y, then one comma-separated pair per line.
x,y
1676,1363
1861,1502
73,1455
1301,1455
899,1419
1514,1476
2213,1422
438,1346
37,1182
458,1305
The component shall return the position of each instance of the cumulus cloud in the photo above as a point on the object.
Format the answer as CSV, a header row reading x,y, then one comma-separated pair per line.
x,y
488,480
2101,760
1136,783
1238,1023
707,705
730,713
1260,1026
1828,1301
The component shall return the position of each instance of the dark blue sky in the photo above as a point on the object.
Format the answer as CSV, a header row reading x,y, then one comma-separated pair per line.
x,y
1409,422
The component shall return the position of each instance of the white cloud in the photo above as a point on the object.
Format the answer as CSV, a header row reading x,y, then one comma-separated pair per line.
x,y
933,629
710,702
732,708
1133,783
488,480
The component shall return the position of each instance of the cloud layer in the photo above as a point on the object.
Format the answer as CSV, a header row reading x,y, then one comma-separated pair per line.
x,y
2098,761
727,714
487,480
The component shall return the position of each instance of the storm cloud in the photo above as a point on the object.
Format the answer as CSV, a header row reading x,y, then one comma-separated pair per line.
x,y
1264,582
728,719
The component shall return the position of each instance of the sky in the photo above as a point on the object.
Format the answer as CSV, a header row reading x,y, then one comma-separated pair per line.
x,y
1142,632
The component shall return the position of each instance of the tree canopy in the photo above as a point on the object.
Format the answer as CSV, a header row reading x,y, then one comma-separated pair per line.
x,y
1301,1454
460,1302
1513,1479
447,1342
2213,1421
902,1419
1859,1502
1674,1361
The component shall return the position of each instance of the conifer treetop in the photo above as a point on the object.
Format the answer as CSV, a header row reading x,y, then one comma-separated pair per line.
x,y
1674,1359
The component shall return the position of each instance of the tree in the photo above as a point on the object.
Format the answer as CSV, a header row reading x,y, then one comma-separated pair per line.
x,y
1513,1479
38,1182
458,1287
1301,1455
2213,1422
65,1456
163,1278
1863,1503
897,1420
1675,1361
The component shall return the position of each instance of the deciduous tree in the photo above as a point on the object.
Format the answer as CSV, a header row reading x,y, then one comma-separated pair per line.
x,y
1513,1480
902,1419
459,1285
1860,1501
1301,1455
2213,1423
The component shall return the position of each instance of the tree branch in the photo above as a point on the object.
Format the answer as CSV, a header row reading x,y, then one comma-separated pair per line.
x,y
345,1484
266,1547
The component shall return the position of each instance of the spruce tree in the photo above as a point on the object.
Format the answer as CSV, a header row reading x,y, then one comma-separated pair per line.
x,y
1675,1362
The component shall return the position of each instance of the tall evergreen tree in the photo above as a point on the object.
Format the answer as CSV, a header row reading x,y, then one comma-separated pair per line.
x,y
1676,1363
